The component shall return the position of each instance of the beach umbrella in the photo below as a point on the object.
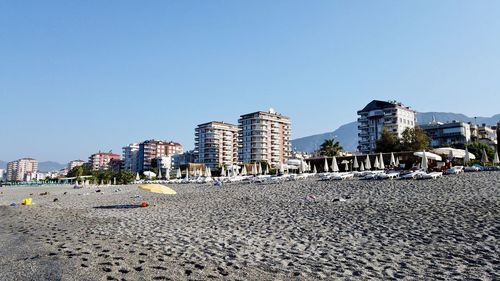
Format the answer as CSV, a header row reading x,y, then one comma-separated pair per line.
x,y
362,167
392,162
179,173
282,168
381,162
314,170
137,178
114,181
495,158
187,173
254,168
368,165
484,158
466,157
346,166
259,169
355,165
159,172
325,167
335,167
397,162
167,173
423,164
267,170
376,165
428,155
222,172
157,188
244,170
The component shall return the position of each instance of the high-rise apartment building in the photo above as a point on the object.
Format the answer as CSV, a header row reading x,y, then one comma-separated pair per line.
x,y
22,169
264,136
378,115
151,149
102,161
131,157
216,144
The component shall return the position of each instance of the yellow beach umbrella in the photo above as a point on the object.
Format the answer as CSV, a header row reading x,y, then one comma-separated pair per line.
x,y
157,188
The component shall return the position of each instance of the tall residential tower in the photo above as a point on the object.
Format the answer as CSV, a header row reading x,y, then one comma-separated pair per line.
x,y
216,144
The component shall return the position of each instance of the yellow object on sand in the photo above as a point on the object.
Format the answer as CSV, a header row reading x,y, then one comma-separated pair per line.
x,y
157,188
27,201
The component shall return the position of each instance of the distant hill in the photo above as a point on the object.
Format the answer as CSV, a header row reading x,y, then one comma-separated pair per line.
x,y
347,134
49,166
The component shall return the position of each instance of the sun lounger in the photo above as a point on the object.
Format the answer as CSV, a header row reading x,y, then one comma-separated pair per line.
x,y
433,175
390,176
455,170
342,176
412,175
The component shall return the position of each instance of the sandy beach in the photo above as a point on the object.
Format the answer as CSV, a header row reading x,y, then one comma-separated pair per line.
x,y
442,229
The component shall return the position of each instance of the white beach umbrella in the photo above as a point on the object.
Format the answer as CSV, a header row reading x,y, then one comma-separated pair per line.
x,y
167,174
355,165
368,165
381,162
259,169
325,167
423,164
466,156
429,155
495,158
267,170
346,166
392,162
282,168
137,178
114,181
179,173
102,182
254,168
187,173
244,170
159,172
397,162
376,165
484,158
314,169
209,172
335,167
362,167
222,171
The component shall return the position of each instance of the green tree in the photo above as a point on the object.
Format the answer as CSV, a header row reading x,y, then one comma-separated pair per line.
x,y
476,148
79,171
124,177
330,147
388,142
415,139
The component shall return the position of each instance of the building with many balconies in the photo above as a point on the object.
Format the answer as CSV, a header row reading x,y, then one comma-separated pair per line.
x,y
22,169
376,116
130,157
151,149
453,133
74,163
216,144
264,136
103,160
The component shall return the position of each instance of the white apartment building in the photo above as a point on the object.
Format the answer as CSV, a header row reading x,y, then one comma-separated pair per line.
x,y
378,115
75,163
216,144
264,136
130,157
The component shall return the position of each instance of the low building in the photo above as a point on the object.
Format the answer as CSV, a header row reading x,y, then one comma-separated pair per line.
x,y
3,175
22,169
453,133
102,161
183,159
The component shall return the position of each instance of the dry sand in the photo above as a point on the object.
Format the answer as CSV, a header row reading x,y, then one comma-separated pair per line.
x,y
440,229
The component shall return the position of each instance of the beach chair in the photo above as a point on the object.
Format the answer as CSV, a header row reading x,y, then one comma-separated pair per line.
x,y
433,175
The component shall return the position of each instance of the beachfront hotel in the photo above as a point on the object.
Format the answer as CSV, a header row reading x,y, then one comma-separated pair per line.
x,y
381,114
151,149
216,144
264,136
22,169
102,160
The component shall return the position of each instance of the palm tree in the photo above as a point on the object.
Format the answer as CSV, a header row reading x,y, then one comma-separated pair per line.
x,y
330,147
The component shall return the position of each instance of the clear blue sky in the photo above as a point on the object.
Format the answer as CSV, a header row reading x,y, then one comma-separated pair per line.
x,y
81,76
